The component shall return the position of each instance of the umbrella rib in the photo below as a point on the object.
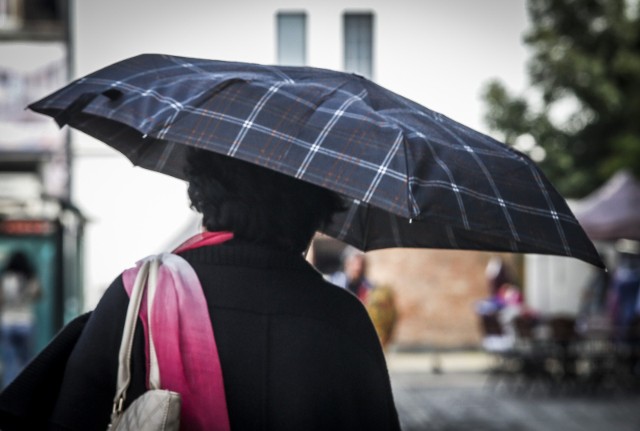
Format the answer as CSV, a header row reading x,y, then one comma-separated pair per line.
x,y
278,72
488,198
395,230
414,209
348,219
365,229
166,153
451,236
435,116
485,152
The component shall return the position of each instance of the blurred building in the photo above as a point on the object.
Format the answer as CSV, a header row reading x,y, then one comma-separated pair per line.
x,y
37,216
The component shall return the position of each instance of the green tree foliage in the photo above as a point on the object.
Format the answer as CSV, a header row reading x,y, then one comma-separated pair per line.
x,y
585,62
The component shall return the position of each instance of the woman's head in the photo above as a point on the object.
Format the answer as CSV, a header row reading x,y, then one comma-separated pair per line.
x,y
255,203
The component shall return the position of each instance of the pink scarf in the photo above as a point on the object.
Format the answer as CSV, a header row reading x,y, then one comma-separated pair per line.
x,y
183,337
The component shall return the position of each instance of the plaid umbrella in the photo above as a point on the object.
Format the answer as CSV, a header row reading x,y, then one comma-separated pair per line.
x,y
412,177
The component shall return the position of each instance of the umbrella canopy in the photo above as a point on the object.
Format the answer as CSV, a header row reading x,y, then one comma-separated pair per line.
x,y
612,212
412,177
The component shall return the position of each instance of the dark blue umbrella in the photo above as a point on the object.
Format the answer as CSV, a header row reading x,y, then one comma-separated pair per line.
x,y
413,177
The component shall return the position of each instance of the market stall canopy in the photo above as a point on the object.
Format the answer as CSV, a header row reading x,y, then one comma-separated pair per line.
x,y
612,212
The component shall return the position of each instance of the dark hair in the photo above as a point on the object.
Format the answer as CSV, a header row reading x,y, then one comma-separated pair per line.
x,y
256,203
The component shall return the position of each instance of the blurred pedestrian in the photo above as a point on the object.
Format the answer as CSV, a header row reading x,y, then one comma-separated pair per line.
x,y
625,292
381,306
352,277
19,289
497,273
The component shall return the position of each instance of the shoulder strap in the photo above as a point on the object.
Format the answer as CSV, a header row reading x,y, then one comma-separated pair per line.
x,y
126,345
152,285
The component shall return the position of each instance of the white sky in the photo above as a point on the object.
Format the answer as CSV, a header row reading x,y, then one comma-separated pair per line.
x,y
24,57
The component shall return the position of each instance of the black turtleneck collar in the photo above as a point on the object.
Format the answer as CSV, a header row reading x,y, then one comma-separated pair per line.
x,y
238,252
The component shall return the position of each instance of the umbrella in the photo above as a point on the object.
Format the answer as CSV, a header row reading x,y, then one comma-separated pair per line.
x,y
412,177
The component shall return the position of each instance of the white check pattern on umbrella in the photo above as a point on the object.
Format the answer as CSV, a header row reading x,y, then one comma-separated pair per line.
x,y
413,177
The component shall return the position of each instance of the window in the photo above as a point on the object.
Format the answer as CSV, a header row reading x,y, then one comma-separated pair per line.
x,y
292,38
358,43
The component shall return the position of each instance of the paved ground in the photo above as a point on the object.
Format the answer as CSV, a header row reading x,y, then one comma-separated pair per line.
x,y
462,398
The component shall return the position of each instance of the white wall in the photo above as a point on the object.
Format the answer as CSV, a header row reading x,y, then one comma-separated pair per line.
x,y
556,285
438,53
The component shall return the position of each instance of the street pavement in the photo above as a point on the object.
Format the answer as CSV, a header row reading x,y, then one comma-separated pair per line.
x,y
453,391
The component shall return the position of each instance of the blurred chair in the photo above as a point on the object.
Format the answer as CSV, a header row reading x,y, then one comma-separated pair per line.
x,y
598,358
532,352
499,345
562,353
632,357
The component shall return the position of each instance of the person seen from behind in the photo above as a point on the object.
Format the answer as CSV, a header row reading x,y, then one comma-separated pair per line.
x,y
296,352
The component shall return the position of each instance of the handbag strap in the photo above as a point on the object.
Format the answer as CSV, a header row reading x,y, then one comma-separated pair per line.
x,y
146,277
152,285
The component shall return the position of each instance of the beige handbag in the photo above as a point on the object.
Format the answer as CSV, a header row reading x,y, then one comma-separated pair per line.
x,y
156,409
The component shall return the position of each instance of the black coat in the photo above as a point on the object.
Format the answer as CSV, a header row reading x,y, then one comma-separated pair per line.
x,y
297,353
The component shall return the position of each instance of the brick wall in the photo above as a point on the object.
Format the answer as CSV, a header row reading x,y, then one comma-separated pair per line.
x,y
435,293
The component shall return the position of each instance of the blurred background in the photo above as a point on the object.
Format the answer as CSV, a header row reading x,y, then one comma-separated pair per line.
x,y
557,79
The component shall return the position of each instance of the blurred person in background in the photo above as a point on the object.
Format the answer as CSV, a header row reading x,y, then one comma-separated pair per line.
x,y
353,275
624,294
381,307
19,290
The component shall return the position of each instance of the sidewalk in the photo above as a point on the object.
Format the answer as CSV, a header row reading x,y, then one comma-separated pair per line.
x,y
455,361
460,397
